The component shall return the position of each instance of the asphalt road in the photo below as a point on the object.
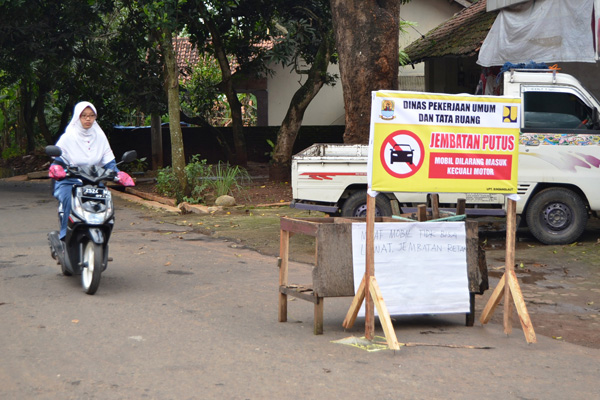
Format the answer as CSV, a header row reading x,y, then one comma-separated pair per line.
x,y
182,316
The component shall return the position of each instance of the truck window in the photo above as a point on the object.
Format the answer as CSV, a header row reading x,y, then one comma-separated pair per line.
x,y
555,110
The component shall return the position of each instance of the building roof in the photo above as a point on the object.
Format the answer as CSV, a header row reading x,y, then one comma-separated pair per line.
x,y
460,36
188,55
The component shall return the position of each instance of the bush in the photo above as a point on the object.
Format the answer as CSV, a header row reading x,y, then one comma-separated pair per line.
x,y
220,179
138,165
167,184
196,173
226,178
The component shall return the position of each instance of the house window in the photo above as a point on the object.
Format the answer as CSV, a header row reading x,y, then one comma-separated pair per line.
x,y
555,110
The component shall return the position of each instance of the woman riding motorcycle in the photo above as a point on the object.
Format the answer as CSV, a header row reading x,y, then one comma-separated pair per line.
x,y
83,144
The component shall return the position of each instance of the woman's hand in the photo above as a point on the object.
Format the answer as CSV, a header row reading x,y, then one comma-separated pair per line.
x,y
56,172
124,179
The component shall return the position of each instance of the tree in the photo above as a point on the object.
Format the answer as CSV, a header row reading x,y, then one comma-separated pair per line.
x,y
233,31
308,40
161,21
367,40
42,59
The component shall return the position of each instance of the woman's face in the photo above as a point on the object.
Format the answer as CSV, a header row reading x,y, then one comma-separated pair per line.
x,y
87,118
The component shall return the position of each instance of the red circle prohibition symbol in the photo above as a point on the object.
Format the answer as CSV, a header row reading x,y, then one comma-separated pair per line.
x,y
404,148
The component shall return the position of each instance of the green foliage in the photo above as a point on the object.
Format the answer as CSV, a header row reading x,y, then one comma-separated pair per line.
x,y
12,151
403,58
272,146
200,91
301,30
201,96
137,165
227,178
167,184
196,172
219,179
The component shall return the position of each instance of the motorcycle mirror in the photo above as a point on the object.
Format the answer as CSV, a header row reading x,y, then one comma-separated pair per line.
x,y
129,156
53,151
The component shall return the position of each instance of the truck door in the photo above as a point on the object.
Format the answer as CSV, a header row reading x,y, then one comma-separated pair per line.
x,y
559,160
560,111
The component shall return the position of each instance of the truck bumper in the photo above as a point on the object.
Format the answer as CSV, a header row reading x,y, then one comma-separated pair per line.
x,y
314,207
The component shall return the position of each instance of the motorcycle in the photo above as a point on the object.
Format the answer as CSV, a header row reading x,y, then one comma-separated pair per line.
x,y
84,250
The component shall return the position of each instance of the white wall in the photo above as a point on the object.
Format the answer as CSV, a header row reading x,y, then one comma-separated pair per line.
x,y
428,14
327,108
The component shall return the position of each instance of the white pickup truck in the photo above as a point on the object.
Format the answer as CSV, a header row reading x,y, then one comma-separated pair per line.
x,y
559,164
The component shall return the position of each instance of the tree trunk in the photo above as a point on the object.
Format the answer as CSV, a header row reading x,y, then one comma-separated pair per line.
x,y
156,138
237,124
172,87
41,117
279,170
367,36
25,137
64,119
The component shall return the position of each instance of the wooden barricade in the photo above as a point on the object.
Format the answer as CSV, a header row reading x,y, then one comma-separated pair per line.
x,y
332,274
508,287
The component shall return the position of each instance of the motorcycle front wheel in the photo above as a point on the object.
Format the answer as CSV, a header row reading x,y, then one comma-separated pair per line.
x,y
92,267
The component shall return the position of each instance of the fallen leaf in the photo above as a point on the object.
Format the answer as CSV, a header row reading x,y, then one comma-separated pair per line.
x,y
590,303
228,213
521,265
167,263
557,337
217,225
75,321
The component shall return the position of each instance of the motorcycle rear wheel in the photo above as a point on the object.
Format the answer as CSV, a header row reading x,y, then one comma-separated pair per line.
x,y
92,267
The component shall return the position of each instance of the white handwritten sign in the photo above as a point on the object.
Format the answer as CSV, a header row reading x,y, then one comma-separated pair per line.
x,y
420,267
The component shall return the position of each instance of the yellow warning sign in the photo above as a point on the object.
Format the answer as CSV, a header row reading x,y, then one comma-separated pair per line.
x,y
443,143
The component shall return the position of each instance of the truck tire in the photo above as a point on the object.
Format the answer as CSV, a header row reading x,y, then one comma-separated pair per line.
x,y
356,205
557,216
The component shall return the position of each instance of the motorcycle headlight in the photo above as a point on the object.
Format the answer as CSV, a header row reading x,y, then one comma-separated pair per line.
x,y
94,212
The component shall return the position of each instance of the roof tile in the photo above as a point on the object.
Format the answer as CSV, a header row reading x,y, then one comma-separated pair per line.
x,y
460,36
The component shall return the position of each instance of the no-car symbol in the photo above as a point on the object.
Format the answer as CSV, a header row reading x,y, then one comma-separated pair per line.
x,y
402,154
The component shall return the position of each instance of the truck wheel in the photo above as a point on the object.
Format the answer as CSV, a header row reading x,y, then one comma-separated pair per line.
x,y
557,216
356,205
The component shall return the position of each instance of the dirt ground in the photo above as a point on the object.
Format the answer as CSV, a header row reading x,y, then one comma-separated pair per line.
x,y
560,284
259,191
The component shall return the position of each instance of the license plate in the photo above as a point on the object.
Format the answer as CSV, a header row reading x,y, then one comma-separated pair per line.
x,y
97,193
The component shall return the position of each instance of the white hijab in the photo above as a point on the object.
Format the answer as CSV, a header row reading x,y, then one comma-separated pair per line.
x,y
84,146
